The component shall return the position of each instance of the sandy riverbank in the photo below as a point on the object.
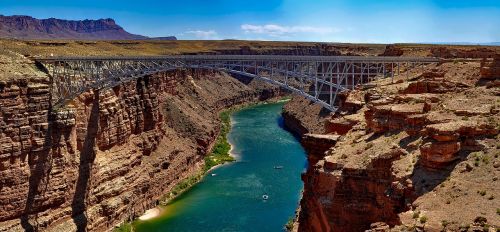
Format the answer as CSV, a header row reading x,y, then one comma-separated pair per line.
x,y
151,213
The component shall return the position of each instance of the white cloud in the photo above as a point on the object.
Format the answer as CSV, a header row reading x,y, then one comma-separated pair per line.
x,y
200,34
278,30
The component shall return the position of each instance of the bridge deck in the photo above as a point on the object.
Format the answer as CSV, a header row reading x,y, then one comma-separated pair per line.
x,y
248,58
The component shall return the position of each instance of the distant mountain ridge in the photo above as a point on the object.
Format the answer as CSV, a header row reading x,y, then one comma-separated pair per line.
x,y
26,27
464,43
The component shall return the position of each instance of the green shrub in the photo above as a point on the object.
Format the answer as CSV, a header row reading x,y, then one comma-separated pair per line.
x,y
218,155
124,227
423,219
181,187
416,214
289,224
220,151
486,159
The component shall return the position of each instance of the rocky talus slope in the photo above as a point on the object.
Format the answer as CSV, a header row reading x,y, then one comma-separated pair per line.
x,y
419,154
110,155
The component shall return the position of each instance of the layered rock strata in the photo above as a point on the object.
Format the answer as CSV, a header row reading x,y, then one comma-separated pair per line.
x,y
108,155
417,154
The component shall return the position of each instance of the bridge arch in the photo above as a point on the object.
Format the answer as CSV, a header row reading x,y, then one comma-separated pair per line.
x,y
318,78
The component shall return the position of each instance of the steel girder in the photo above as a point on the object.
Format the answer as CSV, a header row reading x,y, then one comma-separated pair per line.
x,y
318,78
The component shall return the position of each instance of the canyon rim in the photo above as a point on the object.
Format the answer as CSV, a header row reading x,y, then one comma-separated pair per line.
x,y
100,124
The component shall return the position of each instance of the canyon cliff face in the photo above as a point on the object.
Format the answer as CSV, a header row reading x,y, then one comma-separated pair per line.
x,y
423,147
417,154
109,155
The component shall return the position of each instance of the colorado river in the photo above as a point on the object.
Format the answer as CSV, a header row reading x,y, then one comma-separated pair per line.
x,y
230,198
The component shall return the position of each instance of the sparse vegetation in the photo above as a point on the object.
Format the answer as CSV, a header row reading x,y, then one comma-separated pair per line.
x,y
480,157
486,159
183,185
482,192
124,227
219,155
498,211
423,219
220,152
416,214
289,224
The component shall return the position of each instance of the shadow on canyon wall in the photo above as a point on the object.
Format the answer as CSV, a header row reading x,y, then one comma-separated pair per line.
x,y
426,179
87,157
40,165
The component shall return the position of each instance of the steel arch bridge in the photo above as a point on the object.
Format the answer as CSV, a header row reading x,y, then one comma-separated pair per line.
x,y
318,78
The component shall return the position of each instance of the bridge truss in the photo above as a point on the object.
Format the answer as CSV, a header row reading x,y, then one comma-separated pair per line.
x,y
318,78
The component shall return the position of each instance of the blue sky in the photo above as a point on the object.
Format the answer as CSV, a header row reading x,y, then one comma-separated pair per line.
x,y
376,21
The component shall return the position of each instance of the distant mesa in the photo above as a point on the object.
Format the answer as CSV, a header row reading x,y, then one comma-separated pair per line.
x,y
26,27
163,38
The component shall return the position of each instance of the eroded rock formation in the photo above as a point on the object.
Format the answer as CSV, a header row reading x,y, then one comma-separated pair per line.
x,y
419,153
109,155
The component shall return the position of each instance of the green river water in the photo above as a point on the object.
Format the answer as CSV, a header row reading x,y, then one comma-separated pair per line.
x,y
231,200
